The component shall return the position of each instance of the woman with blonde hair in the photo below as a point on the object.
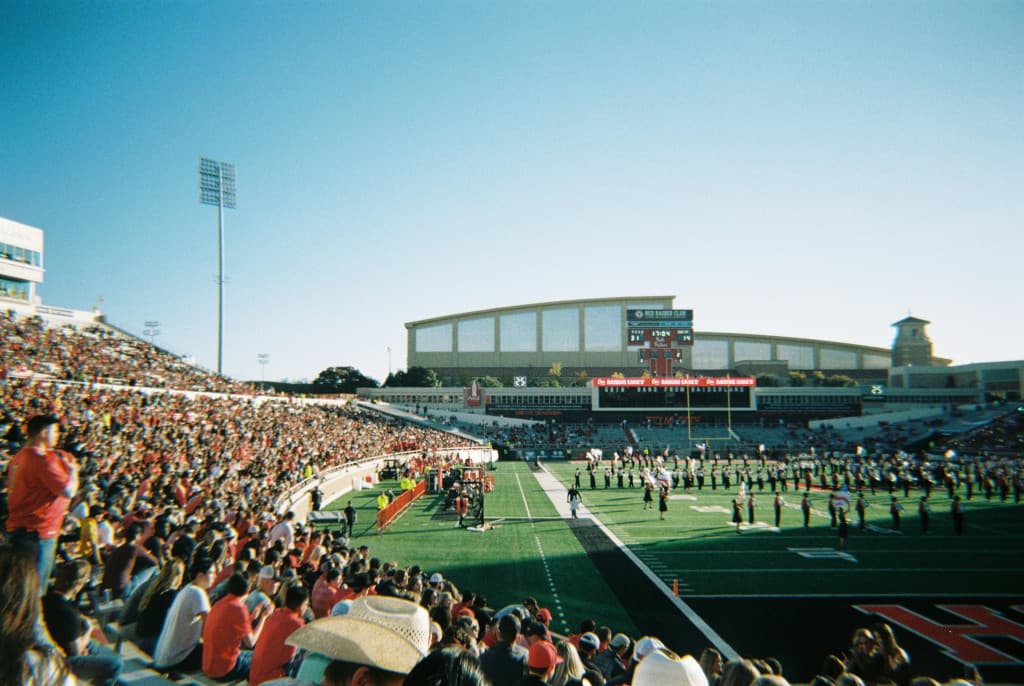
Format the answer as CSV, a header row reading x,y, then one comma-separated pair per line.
x,y
156,602
24,660
570,669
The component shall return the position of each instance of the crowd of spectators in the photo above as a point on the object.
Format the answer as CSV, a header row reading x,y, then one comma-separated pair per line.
x,y
1004,435
172,521
98,354
326,611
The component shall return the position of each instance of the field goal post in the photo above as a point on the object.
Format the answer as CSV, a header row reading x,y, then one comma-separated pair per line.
x,y
728,419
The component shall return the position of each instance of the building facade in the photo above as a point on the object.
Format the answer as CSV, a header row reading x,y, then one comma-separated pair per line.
x,y
21,261
587,338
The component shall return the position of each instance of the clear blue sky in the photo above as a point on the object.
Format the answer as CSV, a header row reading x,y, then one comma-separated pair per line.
x,y
796,168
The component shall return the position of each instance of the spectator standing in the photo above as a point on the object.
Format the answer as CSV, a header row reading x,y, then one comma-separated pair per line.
x,y
350,520
41,481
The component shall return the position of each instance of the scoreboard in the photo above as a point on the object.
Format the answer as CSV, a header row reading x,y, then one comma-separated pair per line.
x,y
661,328
674,394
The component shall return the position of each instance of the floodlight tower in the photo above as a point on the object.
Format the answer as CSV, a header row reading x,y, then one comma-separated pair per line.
x,y
217,187
152,330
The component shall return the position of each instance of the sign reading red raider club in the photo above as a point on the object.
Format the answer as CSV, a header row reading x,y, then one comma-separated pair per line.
x,y
675,382
473,396
960,642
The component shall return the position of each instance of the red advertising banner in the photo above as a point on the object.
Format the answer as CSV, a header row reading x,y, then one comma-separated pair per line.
x,y
673,382
473,395
401,502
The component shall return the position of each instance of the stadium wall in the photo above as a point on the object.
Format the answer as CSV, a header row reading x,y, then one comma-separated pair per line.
x,y
590,336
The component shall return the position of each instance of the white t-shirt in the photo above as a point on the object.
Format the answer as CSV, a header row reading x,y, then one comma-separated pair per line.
x,y
105,533
182,629
284,532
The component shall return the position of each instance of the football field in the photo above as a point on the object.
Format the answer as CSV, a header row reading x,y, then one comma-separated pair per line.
x,y
786,592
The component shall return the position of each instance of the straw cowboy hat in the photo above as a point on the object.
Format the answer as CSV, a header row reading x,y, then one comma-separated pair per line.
x,y
387,633
662,668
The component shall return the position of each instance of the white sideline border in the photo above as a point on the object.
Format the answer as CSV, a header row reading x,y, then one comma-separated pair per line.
x,y
555,492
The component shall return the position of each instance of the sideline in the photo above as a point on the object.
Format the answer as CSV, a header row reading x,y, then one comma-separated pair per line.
x,y
559,609
555,492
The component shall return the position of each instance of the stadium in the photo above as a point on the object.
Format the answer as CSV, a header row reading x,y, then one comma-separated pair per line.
x,y
765,523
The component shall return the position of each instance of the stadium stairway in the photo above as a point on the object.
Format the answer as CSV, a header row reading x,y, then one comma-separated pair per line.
x,y
137,670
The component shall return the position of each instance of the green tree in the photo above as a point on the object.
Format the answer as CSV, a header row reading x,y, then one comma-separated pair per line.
x,y
489,382
582,378
768,380
839,381
415,377
817,378
556,371
344,380
797,379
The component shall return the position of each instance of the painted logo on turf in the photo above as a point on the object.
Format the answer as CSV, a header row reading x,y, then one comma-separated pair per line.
x,y
959,641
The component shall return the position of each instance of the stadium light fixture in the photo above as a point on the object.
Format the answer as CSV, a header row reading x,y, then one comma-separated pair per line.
x,y
264,360
217,187
152,330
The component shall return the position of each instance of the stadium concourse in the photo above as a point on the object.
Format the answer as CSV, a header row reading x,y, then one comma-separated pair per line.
x,y
161,505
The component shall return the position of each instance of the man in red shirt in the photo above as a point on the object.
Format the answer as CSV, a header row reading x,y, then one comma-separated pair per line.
x,y
326,592
227,631
271,654
41,481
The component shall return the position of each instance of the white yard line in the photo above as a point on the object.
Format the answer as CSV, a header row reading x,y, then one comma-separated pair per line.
x,y
556,493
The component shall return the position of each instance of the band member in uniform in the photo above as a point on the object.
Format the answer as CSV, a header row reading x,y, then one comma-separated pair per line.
x,y
805,507
895,508
844,529
574,498
956,508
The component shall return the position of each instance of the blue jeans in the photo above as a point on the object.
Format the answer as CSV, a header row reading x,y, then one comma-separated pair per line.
x,y
100,666
240,670
42,549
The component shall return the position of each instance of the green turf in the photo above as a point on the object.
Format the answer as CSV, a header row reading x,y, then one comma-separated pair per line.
x,y
514,559
703,550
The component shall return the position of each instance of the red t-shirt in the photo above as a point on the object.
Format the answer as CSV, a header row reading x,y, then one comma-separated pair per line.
x,y
226,626
271,653
35,492
322,599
